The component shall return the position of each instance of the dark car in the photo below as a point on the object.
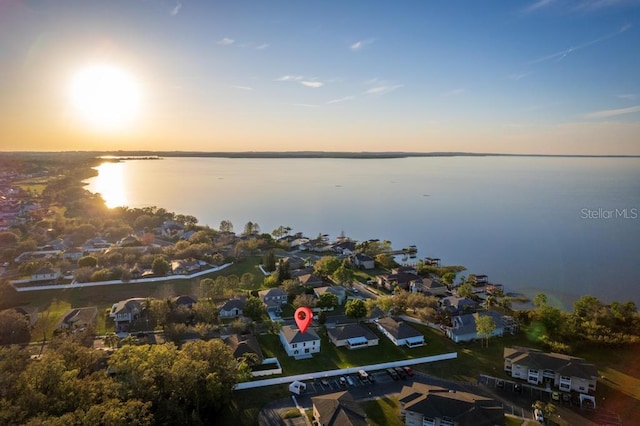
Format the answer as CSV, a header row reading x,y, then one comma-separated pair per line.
x,y
500,383
401,372
392,373
517,388
409,371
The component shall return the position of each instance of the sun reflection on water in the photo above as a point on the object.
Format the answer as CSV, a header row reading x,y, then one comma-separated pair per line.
x,y
110,184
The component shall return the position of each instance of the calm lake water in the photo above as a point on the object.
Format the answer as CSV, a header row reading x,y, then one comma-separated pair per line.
x,y
563,226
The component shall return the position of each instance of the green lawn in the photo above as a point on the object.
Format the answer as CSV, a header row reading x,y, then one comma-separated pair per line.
x,y
383,412
246,404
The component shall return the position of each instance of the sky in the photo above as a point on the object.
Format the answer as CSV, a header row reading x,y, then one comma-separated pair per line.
x,y
539,77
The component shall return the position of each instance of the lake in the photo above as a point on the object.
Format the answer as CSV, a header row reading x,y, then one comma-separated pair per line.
x,y
564,226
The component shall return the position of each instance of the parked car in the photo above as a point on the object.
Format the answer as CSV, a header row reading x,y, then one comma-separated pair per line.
x,y
324,382
392,373
409,371
500,383
343,381
537,414
555,395
349,380
364,377
517,388
372,378
401,372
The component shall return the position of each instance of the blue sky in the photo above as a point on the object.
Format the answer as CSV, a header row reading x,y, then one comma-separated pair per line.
x,y
547,76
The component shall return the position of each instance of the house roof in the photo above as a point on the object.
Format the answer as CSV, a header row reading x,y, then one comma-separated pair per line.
x,y
460,407
310,279
339,409
128,305
398,328
565,365
363,257
233,304
351,331
293,335
272,292
79,316
43,271
338,291
241,345
466,324
185,300
458,303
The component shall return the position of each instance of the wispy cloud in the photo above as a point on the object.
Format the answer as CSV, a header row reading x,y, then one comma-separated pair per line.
x,y
454,92
290,78
594,5
340,100
176,9
242,87
517,77
563,53
538,5
262,46
359,45
611,113
314,84
380,87
628,96
226,41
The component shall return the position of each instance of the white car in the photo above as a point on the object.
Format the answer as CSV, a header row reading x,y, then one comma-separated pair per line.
x,y
349,380
537,414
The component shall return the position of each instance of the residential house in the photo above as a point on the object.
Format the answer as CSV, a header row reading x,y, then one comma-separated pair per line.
x,y
399,332
232,308
353,336
463,327
458,305
429,287
73,254
344,248
311,280
273,298
129,241
170,228
567,373
45,274
294,262
96,244
362,261
426,405
31,313
297,344
337,409
79,318
295,273
338,291
185,300
186,267
399,278
244,344
125,312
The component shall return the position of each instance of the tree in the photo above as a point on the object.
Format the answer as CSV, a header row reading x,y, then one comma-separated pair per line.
x,y
8,239
326,266
269,261
385,260
540,300
160,266
327,300
485,325
254,308
251,228
280,231
246,280
465,290
343,274
355,308
226,226
200,237
284,270
88,262
304,300
448,278
14,328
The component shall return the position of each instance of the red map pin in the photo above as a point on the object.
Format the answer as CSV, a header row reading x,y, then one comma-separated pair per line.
x,y
303,317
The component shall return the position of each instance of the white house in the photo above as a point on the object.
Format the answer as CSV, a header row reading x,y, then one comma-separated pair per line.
x,y
565,372
464,326
353,336
45,274
399,332
297,344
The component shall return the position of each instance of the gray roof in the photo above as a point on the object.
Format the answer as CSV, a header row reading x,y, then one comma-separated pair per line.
x,y
129,305
241,345
466,324
272,292
351,331
461,407
398,328
337,290
339,409
565,365
233,304
293,335
80,316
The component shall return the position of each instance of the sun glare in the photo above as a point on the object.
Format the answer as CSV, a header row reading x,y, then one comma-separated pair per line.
x,y
110,184
105,96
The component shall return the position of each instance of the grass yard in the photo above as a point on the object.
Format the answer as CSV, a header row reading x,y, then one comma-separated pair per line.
x,y
245,406
383,412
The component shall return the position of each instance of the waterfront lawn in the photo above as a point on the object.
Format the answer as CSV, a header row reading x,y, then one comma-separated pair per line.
x,y
383,411
244,407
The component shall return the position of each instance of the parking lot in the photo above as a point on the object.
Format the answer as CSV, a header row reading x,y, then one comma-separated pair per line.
x,y
333,384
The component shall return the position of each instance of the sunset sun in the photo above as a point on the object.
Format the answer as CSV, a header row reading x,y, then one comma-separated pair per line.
x,y
105,96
